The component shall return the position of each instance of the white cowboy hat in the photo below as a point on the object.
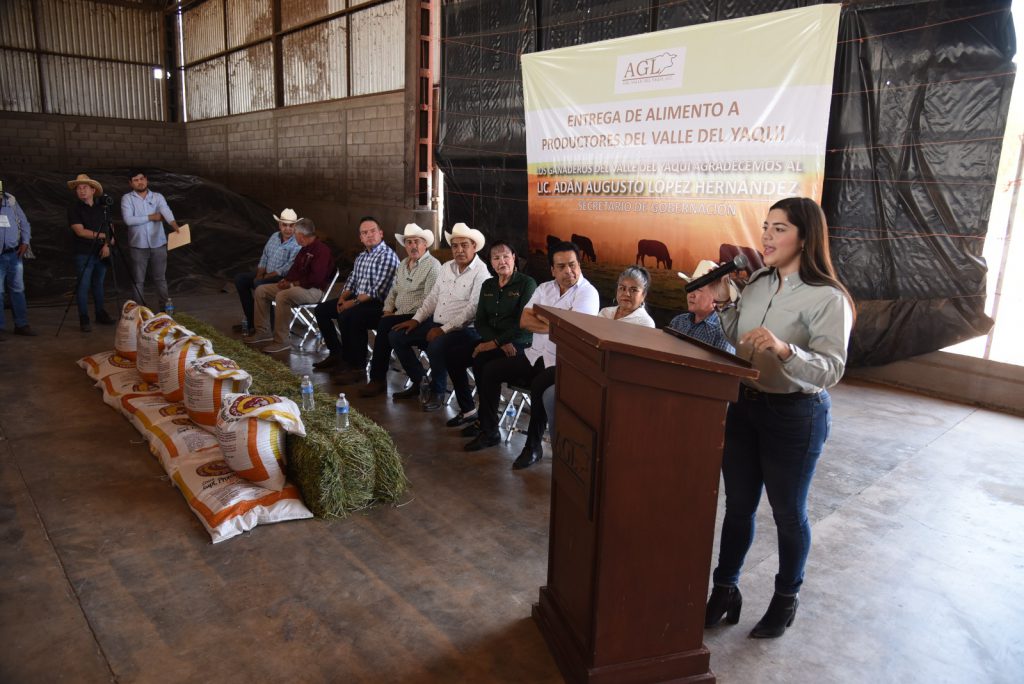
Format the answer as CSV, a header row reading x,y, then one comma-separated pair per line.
x,y
414,231
704,267
462,230
83,178
287,216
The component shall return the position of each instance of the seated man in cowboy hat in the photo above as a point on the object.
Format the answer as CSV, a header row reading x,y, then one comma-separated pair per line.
x,y
701,320
305,283
278,256
446,316
89,221
358,308
414,278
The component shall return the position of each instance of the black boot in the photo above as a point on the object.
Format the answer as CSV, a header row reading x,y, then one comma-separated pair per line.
x,y
724,601
780,615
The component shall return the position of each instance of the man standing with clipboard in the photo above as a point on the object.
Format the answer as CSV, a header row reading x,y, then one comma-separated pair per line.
x,y
144,212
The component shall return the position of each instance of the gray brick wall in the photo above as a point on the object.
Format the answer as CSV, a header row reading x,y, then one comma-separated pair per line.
x,y
43,142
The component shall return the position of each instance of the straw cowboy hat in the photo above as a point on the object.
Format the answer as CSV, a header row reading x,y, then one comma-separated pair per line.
x,y
704,267
414,231
84,178
287,216
462,230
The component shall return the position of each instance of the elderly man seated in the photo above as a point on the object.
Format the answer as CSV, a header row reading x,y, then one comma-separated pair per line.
x,y
701,320
445,318
414,279
358,308
305,283
535,368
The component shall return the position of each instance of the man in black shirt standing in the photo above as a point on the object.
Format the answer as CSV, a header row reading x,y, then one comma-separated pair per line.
x,y
90,248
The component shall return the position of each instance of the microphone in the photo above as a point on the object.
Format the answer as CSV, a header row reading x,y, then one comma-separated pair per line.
x,y
737,264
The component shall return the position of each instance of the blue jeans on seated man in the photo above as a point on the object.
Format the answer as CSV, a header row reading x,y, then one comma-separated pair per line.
x,y
91,270
12,280
403,342
771,443
245,283
380,360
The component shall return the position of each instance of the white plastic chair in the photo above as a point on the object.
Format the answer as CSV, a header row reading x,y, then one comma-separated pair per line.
x,y
303,314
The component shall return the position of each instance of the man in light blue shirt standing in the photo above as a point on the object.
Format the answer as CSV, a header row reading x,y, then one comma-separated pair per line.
x,y
15,234
144,212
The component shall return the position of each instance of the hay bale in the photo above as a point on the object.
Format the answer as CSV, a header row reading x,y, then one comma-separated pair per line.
x,y
337,473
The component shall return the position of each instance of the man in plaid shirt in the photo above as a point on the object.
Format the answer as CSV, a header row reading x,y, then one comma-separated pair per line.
x,y
360,305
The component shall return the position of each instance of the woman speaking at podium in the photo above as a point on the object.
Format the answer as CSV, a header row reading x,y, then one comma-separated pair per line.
x,y
793,323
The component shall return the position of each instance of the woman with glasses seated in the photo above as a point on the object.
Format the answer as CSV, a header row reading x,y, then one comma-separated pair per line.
x,y
630,294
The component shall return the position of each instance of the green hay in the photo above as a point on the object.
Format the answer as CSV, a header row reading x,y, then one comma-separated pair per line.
x,y
337,472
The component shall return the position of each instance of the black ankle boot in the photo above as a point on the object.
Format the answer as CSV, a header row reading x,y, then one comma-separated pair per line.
x,y
780,615
725,601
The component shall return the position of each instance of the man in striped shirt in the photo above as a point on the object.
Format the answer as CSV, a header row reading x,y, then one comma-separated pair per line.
x,y
359,307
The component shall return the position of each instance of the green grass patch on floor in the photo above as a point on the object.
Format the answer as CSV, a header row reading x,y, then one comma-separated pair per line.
x,y
337,472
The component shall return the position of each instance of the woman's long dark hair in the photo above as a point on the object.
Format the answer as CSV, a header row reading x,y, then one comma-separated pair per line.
x,y
815,261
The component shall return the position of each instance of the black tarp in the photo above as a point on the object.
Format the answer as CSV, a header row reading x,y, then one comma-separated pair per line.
x,y
228,231
921,95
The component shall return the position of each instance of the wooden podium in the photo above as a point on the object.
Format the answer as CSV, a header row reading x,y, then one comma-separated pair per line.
x,y
640,418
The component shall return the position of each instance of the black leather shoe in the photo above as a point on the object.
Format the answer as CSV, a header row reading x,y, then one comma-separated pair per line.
x,y
433,402
780,614
483,441
104,318
462,419
471,430
83,324
528,456
25,330
331,361
724,601
413,391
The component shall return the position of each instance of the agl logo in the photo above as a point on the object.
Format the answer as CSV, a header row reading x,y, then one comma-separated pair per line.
x,y
657,70
652,66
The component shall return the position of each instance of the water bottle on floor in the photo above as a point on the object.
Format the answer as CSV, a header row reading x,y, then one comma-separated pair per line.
x,y
341,413
245,324
424,389
169,307
306,390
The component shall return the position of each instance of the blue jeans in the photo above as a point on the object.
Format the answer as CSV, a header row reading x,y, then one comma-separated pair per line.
x,y
771,441
437,351
12,278
91,271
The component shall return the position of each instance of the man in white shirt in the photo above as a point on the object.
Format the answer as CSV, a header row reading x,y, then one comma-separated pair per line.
x,y
144,212
446,316
535,368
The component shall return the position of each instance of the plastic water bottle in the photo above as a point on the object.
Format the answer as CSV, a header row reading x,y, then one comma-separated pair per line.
x,y
424,389
341,413
510,413
245,324
306,390
169,307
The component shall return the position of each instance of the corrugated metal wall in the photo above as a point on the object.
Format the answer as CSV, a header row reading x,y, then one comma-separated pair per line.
x,y
314,60
103,61
314,63
248,20
20,78
251,79
378,48
16,27
206,88
296,12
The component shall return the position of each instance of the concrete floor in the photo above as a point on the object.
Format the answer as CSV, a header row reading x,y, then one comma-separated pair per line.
x,y
915,574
